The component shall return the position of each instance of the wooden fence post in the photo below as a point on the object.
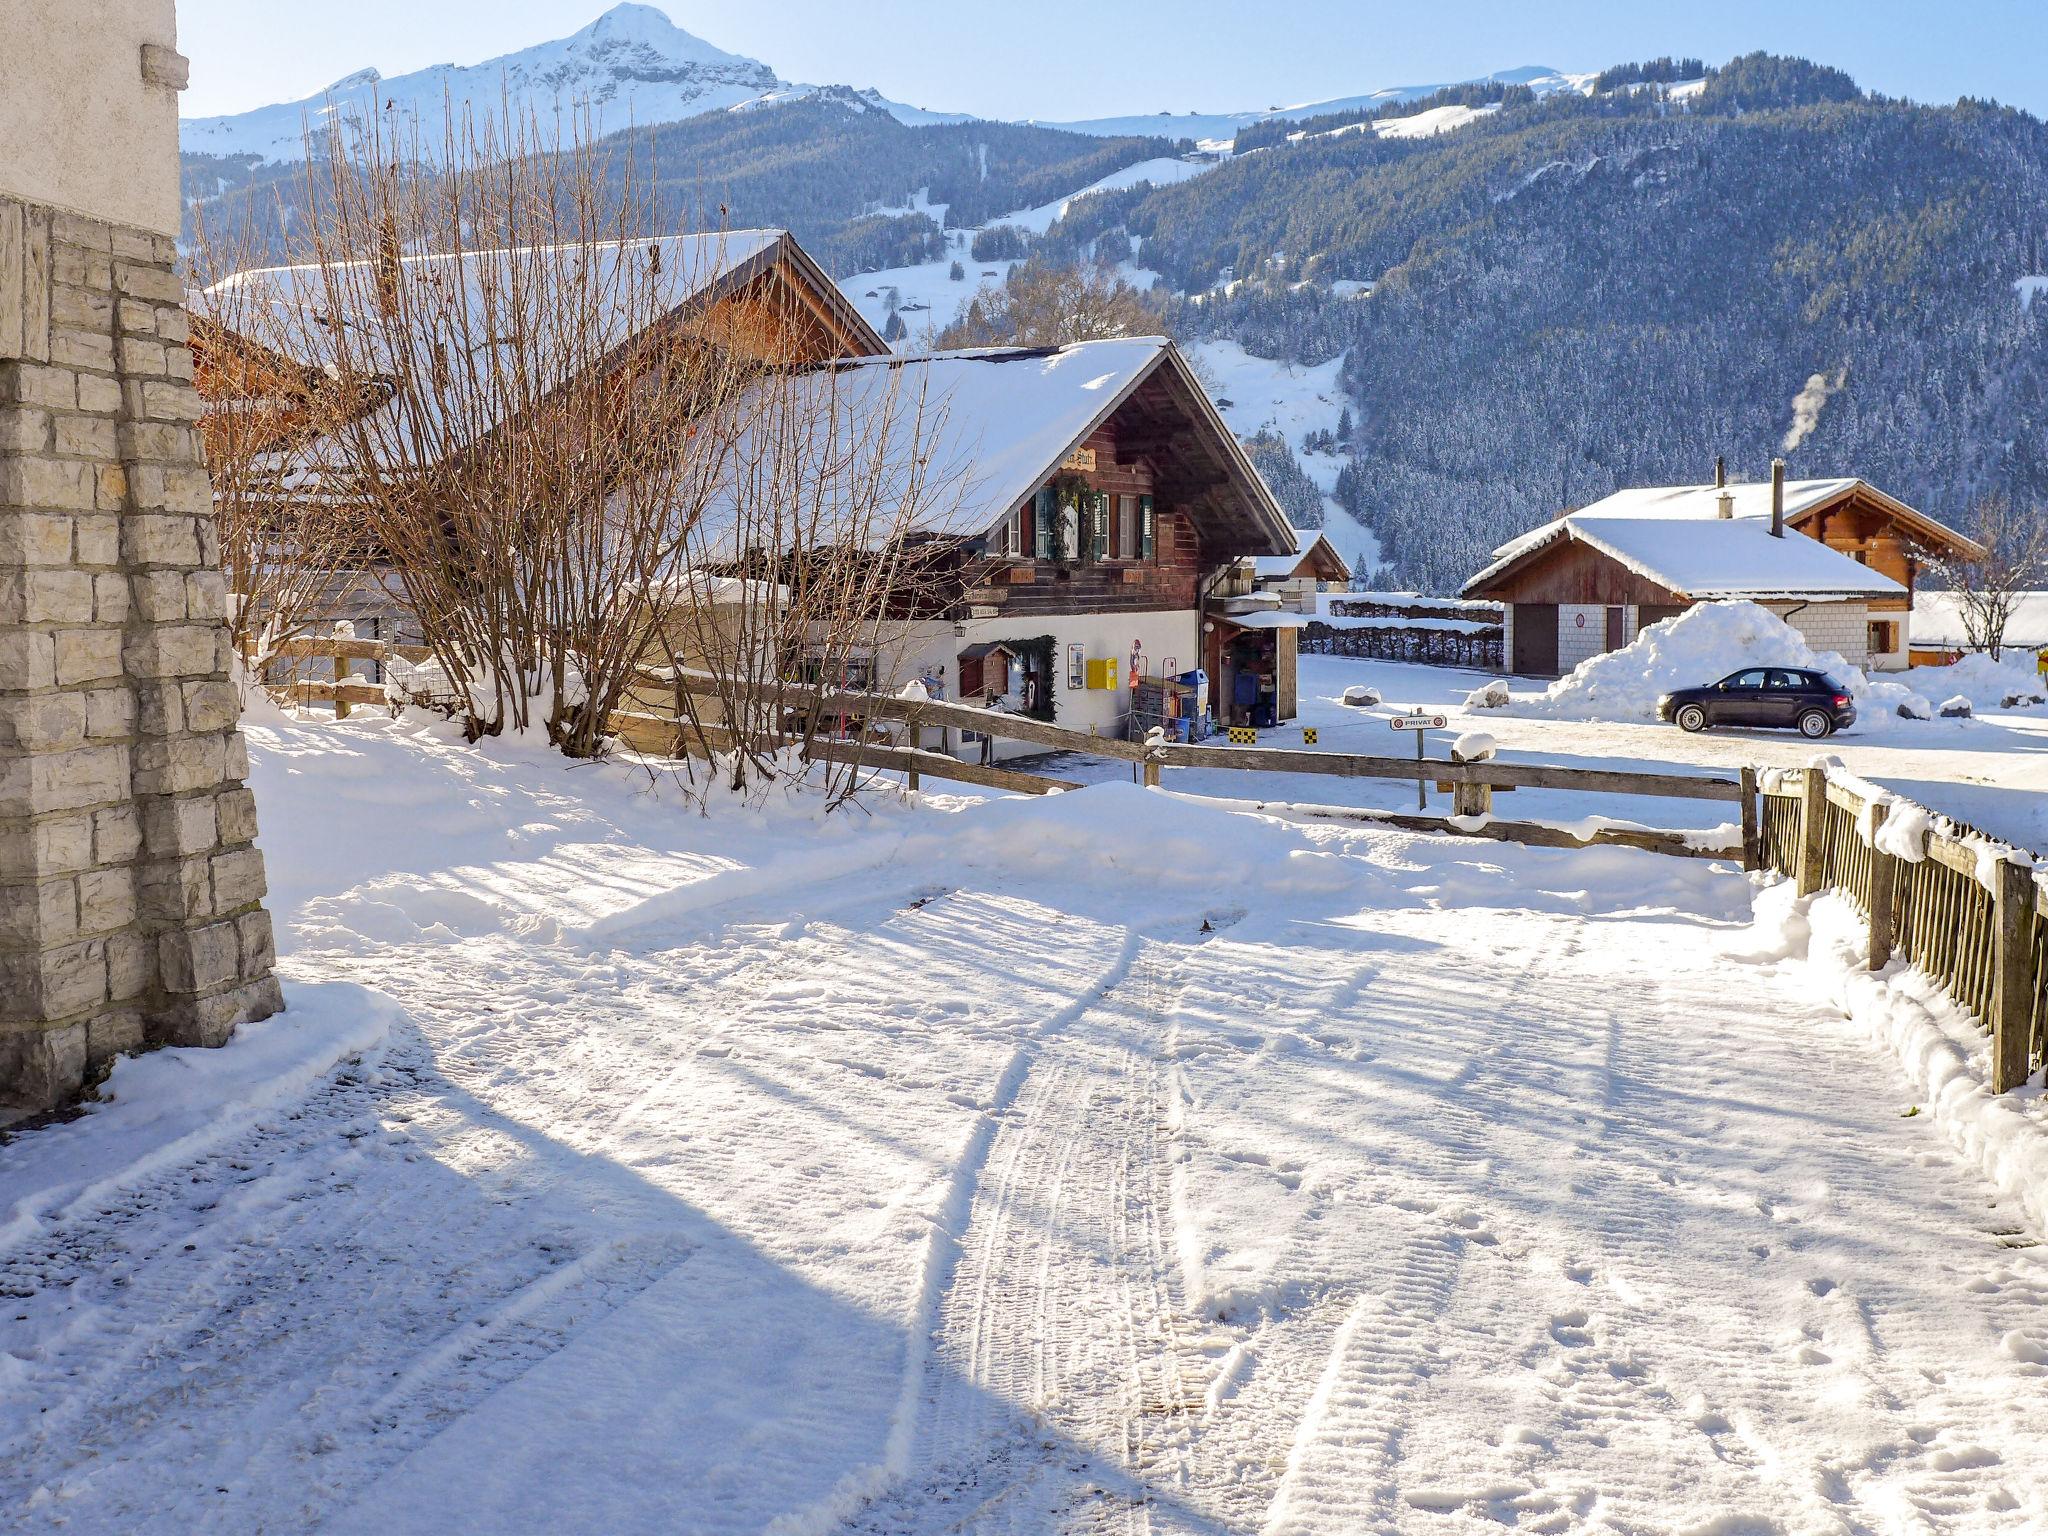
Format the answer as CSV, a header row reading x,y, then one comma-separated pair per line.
x,y
1752,838
1813,827
1884,877
340,675
2012,991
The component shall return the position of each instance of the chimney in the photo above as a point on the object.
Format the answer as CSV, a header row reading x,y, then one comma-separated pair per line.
x,y
1777,498
1725,505
1720,473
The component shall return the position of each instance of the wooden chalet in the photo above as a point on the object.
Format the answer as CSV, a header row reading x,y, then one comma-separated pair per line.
x,y
1095,502
1837,559
756,292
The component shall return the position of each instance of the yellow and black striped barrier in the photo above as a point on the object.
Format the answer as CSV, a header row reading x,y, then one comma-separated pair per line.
x,y
1243,736
1308,735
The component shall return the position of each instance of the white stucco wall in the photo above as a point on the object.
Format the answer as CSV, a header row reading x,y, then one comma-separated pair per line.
x,y
79,127
910,651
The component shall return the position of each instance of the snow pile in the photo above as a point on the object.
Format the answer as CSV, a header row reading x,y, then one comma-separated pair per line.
x,y
1956,708
1493,696
1473,746
1914,706
1944,1052
1121,836
1360,696
1984,683
1700,646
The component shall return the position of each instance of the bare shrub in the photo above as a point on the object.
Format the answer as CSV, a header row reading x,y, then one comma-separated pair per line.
x,y
524,412
290,562
811,564
2015,562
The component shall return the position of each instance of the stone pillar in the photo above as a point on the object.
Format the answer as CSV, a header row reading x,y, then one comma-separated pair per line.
x,y
130,882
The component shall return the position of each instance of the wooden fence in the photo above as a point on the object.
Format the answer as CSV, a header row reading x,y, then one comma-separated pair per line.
x,y
340,650
1987,943
1472,784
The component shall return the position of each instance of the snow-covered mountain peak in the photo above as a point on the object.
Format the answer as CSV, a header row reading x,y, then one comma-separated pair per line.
x,y
631,65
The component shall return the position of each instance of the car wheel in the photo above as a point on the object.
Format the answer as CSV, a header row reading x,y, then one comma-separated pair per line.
x,y
1692,718
1815,723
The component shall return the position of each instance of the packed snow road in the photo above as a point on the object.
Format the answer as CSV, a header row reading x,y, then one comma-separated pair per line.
x,y
1106,1163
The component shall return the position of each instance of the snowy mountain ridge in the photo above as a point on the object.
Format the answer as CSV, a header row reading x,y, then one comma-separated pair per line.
x,y
634,66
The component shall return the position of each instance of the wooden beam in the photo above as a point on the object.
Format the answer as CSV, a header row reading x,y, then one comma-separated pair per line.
x,y
1813,828
1884,880
1533,834
939,765
1752,836
2012,977
1496,775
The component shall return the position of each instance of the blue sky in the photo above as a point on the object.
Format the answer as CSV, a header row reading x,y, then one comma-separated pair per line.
x,y
1098,58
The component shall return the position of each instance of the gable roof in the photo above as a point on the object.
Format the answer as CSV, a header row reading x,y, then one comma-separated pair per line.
x,y
992,425
1703,557
1752,500
1307,542
684,273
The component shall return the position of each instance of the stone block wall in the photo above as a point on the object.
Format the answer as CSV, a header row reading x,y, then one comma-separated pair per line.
x,y
1825,626
130,881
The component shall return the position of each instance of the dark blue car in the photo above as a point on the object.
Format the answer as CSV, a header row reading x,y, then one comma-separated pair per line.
x,y
1790,698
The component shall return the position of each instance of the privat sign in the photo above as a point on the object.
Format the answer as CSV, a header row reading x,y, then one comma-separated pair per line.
x,y
1419,722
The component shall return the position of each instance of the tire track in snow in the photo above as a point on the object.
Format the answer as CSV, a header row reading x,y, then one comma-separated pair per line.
x,y
1053,1393
1396,1273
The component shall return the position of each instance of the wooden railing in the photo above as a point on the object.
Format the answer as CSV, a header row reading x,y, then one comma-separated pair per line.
x,y
341,650
1982,936
1472,784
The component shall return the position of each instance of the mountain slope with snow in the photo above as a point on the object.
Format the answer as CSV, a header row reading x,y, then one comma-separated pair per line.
x,y
1218,129
634,65
630,65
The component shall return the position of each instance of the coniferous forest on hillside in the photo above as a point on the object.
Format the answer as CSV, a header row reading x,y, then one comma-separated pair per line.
x,y
1565,295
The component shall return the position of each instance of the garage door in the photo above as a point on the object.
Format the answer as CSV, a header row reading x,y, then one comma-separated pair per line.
x,y
1536,639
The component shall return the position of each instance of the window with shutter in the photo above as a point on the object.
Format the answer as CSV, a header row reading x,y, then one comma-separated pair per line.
x,y
1147,543
1045,514
1101,528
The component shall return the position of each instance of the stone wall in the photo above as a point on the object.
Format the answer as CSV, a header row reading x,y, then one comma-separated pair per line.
x,y
130,883
1842,627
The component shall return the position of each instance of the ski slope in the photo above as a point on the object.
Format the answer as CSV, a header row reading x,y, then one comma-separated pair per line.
x,y
1113,1162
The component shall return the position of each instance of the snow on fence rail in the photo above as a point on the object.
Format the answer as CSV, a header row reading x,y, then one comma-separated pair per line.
x,y
1472,783
1956,904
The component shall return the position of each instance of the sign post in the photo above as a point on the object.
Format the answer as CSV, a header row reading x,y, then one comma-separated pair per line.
x,y
1415,720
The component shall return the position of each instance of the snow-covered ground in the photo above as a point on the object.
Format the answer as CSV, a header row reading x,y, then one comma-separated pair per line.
x,y
1158,173
1990,771
1110,1161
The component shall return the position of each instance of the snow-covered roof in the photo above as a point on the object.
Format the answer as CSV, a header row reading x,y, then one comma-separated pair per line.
x,y
1937,621
1707,557
1268,619
1280,567
984,427
628,283
1753,500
